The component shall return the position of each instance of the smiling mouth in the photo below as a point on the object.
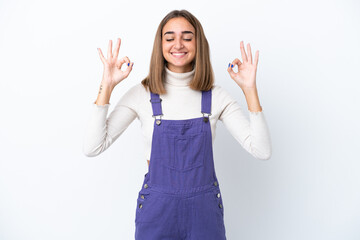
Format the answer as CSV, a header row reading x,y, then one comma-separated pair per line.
x,y
179,54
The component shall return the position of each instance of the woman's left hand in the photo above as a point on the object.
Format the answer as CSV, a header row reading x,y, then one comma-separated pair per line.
x,y
246,75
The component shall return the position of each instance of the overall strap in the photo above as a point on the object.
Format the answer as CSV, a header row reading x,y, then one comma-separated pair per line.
x,y
156,104
206,102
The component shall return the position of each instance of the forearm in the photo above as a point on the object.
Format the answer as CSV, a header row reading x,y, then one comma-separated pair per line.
x,y
104,94
252,100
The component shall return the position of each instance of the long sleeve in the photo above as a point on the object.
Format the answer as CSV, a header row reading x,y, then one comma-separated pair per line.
x,y
253,134
100,131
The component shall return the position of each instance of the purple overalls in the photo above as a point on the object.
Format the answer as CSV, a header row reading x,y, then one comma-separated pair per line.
x,y
180,198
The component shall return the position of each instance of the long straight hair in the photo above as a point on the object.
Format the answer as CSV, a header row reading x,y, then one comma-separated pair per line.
x,y
203,78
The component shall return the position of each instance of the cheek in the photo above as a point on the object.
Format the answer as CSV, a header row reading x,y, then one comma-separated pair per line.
x,y
164,47
193,50
193,47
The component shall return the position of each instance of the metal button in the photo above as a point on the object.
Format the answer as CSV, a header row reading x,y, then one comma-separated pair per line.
x,y
206,119
218,195
145,185
215,183
140,205
220,205
158,122
142,196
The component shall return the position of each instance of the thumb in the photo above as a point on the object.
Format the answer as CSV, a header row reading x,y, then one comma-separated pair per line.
x,y
231,71
129,68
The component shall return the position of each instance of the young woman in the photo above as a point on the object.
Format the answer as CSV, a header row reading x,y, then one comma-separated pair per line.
x,y
178,106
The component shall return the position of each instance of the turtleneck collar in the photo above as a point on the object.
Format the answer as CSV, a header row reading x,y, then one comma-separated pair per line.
x,y
178,79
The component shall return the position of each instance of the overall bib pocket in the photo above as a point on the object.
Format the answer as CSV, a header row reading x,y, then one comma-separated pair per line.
x,y
183,152
189,151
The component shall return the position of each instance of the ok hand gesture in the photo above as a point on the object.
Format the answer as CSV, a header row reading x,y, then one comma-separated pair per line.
x,y
112,66
246,75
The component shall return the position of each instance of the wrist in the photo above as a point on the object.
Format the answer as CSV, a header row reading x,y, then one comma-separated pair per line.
x,y
255,109
252,99
104,86
249,90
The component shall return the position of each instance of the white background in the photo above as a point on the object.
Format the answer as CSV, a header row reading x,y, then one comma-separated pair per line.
x,y
308,85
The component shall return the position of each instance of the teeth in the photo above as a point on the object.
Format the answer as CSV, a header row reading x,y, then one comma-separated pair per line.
x,y
178,54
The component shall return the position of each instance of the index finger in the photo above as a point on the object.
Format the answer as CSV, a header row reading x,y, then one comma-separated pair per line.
x,y
236,62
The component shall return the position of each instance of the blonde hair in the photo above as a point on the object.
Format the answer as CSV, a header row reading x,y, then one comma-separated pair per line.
x,y
203,78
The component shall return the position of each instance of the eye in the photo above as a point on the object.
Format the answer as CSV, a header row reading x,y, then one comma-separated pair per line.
x,y
188,40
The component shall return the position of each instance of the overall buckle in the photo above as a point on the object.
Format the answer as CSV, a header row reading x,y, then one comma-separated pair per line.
x,y
157,120
206,118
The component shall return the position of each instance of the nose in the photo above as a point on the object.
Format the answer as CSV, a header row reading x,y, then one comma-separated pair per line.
x,y
178,44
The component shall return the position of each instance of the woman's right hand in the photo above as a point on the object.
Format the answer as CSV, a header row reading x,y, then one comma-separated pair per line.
x,y
112,66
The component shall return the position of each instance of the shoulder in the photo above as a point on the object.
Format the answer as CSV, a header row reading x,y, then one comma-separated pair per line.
x,y
224,103
222,98
220,94
136,91
216,89
133,95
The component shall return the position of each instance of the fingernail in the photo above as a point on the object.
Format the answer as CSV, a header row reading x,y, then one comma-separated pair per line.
x,y
232,65
132,64
128,64
229,65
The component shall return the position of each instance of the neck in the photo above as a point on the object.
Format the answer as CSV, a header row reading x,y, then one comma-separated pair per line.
x,y
178,78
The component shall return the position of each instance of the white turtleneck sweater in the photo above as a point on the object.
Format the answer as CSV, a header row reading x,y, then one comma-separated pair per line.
x,y
180,102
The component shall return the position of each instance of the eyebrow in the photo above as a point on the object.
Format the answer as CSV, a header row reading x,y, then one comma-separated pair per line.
x,y
171,32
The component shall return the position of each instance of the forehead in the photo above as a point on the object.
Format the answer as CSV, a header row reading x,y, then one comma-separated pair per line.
x,y
178,25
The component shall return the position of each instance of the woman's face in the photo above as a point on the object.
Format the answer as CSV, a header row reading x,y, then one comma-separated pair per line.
x,y
179,44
